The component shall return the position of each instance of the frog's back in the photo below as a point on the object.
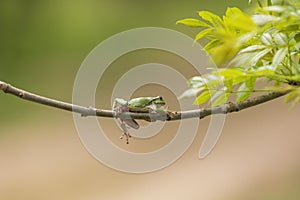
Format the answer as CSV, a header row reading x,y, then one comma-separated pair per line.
x,y
140,101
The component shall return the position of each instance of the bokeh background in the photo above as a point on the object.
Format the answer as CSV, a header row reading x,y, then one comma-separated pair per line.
x,y
42,44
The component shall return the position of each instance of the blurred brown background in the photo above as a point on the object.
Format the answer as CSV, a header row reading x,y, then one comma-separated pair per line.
x,y
42,46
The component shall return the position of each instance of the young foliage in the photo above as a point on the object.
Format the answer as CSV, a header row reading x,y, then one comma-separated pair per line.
x,y
262,46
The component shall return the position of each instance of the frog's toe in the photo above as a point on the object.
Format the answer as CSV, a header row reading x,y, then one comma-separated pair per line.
x,y
127,136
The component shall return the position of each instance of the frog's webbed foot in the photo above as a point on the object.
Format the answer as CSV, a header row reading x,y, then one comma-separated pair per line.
x,y
127,136
125,133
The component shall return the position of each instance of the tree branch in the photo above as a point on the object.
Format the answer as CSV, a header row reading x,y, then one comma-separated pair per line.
x,y
169,116
229,107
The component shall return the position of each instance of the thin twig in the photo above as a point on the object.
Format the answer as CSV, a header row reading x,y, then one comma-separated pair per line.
x,y
169,116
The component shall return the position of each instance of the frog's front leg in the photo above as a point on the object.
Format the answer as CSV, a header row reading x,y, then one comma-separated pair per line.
x,y
120,106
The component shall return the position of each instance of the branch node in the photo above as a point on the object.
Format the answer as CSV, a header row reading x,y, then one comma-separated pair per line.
x,y
91,111
233,107
21,94
170,115
205,112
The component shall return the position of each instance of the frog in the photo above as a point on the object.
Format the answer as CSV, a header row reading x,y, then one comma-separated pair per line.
x,y
136,105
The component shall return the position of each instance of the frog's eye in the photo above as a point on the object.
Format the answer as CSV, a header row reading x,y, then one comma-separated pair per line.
x,y
159,101
160,98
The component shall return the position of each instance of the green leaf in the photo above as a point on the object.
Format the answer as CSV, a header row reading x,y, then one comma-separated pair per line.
x,y
259,3
258,56
297,37
293,96
203,34
192,92
244,94
266,71
212,44
192,22
239,79
297,46
246,89
222,99
266,39
293,78
252,48
205,82
289,27
214,83
228,84
269,3
296,101
239,20
215,20
197,81
203,97
262,19
279,56
251,82
295,3
229,72
290,96
224,52
280,39
278,9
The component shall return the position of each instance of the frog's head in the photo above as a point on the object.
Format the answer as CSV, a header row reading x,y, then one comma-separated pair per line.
x,y
158,101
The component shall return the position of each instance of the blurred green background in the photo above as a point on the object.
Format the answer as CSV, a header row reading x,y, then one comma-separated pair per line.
x,y
42,44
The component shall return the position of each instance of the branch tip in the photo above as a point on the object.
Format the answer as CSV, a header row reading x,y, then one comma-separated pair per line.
x,y
4,86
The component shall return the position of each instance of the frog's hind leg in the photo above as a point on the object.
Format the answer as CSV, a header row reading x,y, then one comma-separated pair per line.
x,y
125,132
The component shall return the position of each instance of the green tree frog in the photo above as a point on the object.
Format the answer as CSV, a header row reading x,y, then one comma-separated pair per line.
x,y
137,105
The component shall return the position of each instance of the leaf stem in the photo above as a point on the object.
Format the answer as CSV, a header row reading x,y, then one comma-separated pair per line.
x,y
240,91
